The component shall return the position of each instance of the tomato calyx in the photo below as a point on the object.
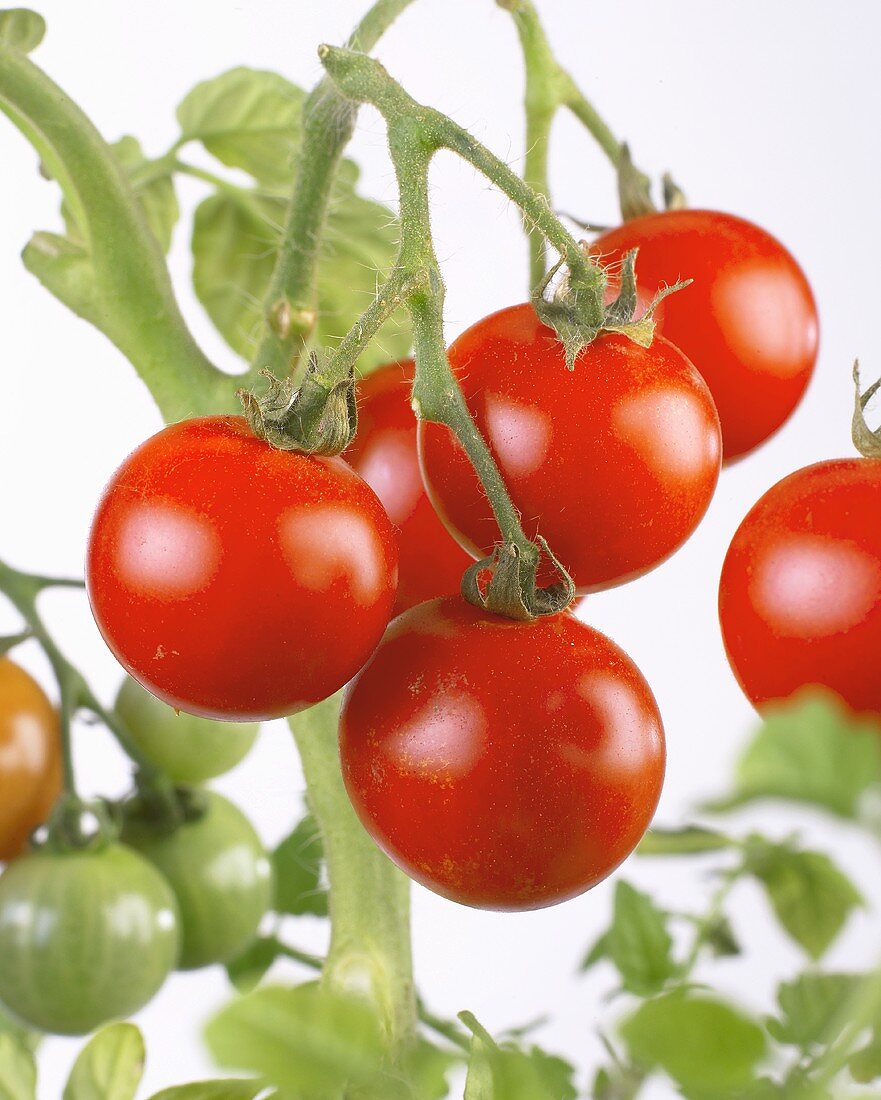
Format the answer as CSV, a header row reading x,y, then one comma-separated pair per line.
x,y
163,807
634,189
578,315
866,440
79,825
316,415
512,589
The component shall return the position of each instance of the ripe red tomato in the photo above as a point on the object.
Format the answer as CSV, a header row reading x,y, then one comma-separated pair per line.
x,y
614,462
237,581
800,595
748,322
504,765
431,562
30,758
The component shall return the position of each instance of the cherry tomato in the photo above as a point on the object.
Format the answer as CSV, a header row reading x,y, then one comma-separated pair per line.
x,y
504,765
431,563
220,875
30,758
748,322
236,581
186,748
800,595
85,937
614,462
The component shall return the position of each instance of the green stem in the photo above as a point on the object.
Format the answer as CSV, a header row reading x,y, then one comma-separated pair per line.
x,y
118,279
328,123
369,896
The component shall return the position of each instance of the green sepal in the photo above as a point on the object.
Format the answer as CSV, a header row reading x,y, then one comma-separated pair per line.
x,y
634,188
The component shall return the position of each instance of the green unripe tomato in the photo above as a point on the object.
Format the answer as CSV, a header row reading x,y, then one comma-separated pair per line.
x,y
85,937
220,874
188,749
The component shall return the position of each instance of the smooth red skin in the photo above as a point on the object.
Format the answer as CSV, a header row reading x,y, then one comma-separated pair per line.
x,y
800,595
503,765
430,561
614,462
236,581
748,322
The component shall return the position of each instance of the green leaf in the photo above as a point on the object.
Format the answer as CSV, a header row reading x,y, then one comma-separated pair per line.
x,y
865,1065
813,1008
235,242
297,862
248,970
691,840
214,1090
720,939
810,750
811,897
247,118
508,1072
156,193
701,1042
427,1068
305,1038
637,942
109,1067
22,29
18,1070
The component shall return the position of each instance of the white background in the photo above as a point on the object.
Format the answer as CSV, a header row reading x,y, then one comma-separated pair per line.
x,y
766,110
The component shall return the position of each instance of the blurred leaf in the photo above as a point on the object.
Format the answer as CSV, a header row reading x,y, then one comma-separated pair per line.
x,y
235,241
109,1067
214,1090
427,1068
18,1070
810,895
22,29
305,1038
156,193
865,1065
249,119
248,970
702,1043
813,1008
691,840
510,1073
720,939
8,1026
810,750
637,942
297,862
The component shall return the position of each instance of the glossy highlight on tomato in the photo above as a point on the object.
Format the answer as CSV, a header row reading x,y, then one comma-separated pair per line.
x,y
30,758
614,462
221,877
85,937
748,321
384,453
800,593
236,581
503,765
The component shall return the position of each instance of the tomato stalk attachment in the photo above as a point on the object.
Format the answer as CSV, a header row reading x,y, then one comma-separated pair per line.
x,y
866,440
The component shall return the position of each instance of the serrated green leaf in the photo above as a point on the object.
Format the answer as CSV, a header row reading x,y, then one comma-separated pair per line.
x,y
213,1090
156,193
810,750
305,1038
700,1042
297,862
638,942
109,1067
18,1070
235,241
811,897
247,118
691,840
22,29
813,1008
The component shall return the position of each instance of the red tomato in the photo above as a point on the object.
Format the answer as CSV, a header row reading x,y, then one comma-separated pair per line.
x,y
748,322
237,581
431,562
614,462
504,765
800,596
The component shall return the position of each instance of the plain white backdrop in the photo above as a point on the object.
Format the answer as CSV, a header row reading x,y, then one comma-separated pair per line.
x,y
766,110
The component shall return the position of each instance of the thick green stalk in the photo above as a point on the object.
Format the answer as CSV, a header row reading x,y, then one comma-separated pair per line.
x,y
117,279
328,123
369,897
